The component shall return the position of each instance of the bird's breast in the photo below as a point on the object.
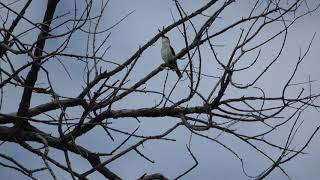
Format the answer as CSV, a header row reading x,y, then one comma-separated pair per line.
x,y
166,54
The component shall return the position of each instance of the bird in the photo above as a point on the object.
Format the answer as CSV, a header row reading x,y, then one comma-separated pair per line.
x,y
168,54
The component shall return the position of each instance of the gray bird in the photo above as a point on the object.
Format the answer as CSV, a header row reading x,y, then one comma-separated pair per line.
x,y
168,54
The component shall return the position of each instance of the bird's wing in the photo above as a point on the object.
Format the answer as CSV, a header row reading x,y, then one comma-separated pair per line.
x,y
174,65
172,51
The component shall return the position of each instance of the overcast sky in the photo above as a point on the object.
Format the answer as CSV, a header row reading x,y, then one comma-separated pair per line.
x,y
172,157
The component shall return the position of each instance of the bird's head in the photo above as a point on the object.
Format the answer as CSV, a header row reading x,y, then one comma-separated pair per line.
x,y
165,40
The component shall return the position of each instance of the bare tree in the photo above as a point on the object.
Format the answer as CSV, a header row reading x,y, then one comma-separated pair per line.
x,y
57,121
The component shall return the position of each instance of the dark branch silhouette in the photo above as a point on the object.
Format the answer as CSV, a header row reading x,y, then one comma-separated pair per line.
x,y
107,85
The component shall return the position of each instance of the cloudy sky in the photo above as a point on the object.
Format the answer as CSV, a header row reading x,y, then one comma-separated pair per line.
x,y
171,158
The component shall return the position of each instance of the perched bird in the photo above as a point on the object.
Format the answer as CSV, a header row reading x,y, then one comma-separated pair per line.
x,y
168,54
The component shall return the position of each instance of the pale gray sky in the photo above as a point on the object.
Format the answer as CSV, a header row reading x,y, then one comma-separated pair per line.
x,y
172,157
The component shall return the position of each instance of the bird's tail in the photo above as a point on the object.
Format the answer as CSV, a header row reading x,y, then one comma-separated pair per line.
x,y
174,66
178,72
